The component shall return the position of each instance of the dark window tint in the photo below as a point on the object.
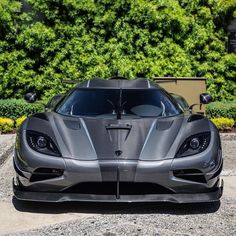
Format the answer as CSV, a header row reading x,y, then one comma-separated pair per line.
x,y
55,101
91,102
147,103
109,103
181,101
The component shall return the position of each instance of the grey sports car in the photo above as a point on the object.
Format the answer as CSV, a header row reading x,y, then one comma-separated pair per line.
x,y
117,140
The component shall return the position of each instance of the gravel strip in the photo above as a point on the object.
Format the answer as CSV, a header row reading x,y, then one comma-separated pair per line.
x,y
6,174
228,173
6,169
152,219
6,146
229,155
137,219
228,136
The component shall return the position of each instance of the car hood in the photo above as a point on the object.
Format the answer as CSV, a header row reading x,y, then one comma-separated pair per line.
x,y
126,139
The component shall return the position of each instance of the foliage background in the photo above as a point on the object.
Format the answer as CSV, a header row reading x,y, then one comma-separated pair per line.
x,y
221,109
16,108
69,39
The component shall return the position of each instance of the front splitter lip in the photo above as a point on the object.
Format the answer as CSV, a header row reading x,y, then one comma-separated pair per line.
x,y
64,197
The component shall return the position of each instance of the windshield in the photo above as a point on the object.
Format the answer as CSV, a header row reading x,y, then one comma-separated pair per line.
x,y
112,103
182,102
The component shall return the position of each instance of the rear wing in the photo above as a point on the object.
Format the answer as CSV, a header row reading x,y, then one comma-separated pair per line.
x,y
70,81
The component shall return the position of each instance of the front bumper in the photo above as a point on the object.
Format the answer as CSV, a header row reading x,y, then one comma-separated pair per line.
x,y
203,186
179,190
174,198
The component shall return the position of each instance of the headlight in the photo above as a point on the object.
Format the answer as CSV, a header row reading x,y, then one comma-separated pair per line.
x,y
42,143
194,144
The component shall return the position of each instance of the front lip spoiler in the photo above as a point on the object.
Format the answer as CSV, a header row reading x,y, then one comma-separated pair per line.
x,y
63,197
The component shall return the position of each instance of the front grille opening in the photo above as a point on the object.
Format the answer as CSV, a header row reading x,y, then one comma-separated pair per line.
x,y
45,173
111,188
191,175
127,188
99,188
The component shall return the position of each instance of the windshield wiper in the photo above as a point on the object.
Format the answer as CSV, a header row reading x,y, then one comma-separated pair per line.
x,y
114,108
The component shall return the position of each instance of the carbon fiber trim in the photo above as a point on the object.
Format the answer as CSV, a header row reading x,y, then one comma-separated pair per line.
x,y
174,198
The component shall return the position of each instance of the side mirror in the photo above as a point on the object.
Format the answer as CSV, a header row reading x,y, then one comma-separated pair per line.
x,y
31,97
205,98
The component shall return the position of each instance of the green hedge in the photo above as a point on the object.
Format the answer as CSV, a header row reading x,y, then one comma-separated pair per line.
x,y
222,109
13,108
53,40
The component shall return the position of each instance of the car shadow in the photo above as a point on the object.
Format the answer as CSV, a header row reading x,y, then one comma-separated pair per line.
x,y
116,208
